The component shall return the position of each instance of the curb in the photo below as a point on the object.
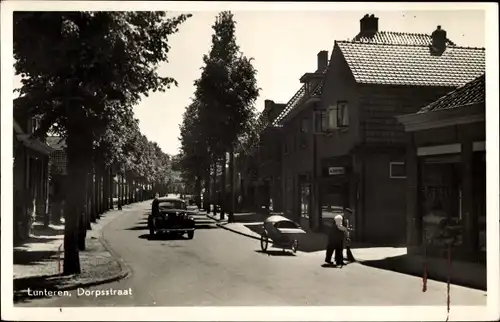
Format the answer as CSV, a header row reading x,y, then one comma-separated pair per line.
x,y
231,230
125,269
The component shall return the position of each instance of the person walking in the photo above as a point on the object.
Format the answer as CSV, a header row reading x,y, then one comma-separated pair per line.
x,y
336,237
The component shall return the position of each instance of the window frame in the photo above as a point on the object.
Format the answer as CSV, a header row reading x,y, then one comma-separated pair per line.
x,y
391,176
342,118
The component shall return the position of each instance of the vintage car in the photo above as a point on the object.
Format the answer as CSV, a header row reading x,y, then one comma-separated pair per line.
x,y
281,232
170,215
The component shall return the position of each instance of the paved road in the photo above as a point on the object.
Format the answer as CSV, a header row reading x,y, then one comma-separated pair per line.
x,y
221,268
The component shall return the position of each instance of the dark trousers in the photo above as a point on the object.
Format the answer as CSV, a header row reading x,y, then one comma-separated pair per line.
x,y
336,246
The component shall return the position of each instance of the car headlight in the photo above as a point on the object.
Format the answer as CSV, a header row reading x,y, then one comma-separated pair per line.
x,y
190,217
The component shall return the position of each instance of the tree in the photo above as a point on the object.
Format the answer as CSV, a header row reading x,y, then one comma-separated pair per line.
x,y
227,90
110,60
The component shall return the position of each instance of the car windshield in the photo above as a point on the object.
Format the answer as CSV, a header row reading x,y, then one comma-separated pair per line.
x,y
171,205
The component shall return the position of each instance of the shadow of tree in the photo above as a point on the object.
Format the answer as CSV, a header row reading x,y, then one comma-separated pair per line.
x,y
143,227
32,257
39,230
36,287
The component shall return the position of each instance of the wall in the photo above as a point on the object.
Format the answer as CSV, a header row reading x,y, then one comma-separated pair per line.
x,y
339,86
297,160
379,104
385,201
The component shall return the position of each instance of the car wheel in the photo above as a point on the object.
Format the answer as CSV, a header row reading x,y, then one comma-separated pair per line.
x,y
191,234
295,245
264,242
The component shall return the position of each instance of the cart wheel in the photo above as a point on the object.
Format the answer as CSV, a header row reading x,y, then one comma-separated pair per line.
x,y
264,241
295,245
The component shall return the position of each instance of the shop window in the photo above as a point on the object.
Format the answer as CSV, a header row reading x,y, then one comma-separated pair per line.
x,y
333,200
397,170
441,202
304,200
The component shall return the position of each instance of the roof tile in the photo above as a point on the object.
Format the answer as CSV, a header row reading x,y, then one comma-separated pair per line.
x,y
397,38
471,93
374,63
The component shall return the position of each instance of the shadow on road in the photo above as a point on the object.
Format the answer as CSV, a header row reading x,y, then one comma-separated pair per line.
x,y
469,275
275,253
163,237
206,226
142,227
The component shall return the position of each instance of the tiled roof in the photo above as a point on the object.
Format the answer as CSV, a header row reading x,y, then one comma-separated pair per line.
x,y
291,104
471,93
389,64
297,98
397,38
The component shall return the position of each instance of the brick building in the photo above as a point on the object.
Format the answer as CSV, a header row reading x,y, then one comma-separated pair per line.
x,y
446,169
370,80
295,124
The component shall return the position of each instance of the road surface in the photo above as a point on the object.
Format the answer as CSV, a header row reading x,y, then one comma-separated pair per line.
x,y
221,268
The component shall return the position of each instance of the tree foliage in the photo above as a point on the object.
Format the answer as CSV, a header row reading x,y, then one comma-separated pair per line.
x,y
83,72
223,108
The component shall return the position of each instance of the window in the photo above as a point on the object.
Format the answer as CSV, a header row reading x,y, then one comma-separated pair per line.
x,y
333,118
342,114
397,170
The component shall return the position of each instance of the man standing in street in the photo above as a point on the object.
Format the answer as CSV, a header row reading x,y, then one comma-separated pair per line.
x,y
336,237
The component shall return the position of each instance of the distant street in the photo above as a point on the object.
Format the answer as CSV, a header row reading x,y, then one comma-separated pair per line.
x,y
221,268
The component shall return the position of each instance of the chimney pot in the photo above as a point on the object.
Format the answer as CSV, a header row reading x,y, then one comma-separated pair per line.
x,y
368,25
438,41
322,60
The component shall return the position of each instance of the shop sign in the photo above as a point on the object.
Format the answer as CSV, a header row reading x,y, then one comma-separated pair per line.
x,y
334,171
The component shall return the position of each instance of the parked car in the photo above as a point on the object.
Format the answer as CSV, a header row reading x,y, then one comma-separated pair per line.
x,y
281,232
171,216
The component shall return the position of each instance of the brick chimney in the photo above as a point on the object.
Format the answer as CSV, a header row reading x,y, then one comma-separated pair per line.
x,y
368,25
438,41
322,60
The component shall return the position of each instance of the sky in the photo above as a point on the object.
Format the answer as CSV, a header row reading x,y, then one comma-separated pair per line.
x,y
284,45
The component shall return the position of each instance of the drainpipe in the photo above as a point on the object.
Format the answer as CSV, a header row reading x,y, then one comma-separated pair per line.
x,y
315,221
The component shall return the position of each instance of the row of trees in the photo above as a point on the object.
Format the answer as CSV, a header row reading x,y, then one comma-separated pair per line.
x,y
82,73
220,118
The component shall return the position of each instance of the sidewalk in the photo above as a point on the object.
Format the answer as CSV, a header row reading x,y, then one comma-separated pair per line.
x,y
388,258
36,261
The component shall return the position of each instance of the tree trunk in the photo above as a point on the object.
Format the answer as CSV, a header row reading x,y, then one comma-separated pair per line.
x,y
223,206
79,148
206,194
198,190
95,191
111,189
214,187
232,186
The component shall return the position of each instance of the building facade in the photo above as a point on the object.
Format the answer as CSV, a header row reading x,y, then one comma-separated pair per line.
x,y
446,168
297,126
371,80
31,178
